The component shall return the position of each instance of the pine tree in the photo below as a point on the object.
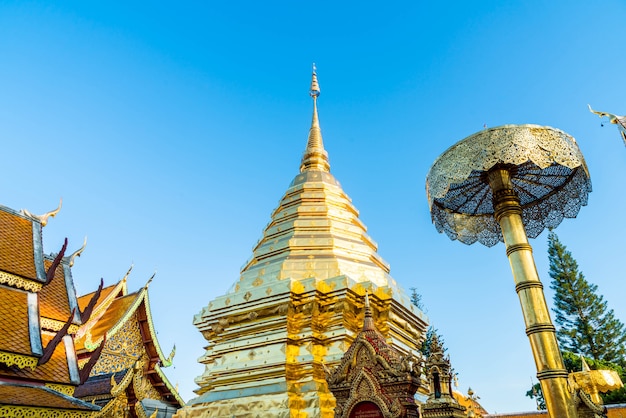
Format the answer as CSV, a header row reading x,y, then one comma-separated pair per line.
x,y
586,326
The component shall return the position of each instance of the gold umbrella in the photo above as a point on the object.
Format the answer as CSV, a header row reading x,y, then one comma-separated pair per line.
x,y
506,184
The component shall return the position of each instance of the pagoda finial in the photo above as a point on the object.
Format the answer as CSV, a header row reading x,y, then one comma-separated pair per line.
x,y
315,157
368,321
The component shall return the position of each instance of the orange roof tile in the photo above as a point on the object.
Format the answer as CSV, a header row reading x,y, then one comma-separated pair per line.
x,y
53,299
14,332
54,371
16,245
39,396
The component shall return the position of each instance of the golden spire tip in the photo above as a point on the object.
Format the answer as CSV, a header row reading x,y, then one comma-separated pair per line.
x,y
314,92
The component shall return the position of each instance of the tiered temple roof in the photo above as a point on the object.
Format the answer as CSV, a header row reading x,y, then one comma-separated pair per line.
x,y
38,315
128,376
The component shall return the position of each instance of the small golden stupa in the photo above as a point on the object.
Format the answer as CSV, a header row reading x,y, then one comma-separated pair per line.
x,y
298,304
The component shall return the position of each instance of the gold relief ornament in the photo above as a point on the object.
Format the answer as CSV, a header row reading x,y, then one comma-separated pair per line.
x,y
65,389
16,281
21,361
34,412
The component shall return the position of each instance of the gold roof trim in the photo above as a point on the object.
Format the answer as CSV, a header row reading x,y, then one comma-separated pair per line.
x,y
19,360
26,411
173,390
64,389
17,281
102,306
54,325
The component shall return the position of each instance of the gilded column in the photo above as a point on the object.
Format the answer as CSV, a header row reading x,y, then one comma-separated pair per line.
x,y
551,371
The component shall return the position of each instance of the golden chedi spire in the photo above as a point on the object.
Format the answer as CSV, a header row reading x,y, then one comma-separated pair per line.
x,y
292,309
315,156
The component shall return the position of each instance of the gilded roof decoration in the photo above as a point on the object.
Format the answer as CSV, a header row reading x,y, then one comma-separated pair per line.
x,y
56,370
15,281
131,343
620,121
373,371
77,253
43,219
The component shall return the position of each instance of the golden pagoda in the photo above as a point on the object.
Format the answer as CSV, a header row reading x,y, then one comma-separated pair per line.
x,y
298,304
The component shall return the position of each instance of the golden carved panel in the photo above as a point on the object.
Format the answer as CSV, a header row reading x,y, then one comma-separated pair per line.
x,y
11,359
16,281
65,389
122,350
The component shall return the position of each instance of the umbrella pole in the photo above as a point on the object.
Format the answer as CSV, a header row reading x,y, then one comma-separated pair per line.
x,y
539,328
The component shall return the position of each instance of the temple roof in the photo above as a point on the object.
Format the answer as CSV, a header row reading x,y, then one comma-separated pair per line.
x,y
114,308
56,370
20,245
371,337
14,332
34,307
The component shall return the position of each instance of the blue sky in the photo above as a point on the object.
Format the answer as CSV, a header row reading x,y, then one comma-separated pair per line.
x,y
171,131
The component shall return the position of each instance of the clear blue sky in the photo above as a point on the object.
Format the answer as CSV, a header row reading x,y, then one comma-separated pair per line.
x,y
172,130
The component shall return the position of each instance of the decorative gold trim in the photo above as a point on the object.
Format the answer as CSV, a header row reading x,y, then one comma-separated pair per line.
x,y
28,412
65,389
173,390
17,281
54,325
19,360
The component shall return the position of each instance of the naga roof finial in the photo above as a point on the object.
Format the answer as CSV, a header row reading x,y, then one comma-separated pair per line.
x,y
43,219
77,253
128,272
620,121
315,157
150,280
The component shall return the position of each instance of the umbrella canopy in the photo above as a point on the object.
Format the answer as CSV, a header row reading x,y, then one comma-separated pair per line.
x,y
547,169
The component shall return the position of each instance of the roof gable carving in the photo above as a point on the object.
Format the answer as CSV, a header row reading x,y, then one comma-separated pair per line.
x,y
371,370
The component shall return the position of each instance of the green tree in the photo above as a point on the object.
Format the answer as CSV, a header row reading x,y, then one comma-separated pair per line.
x,y
586,325
416,299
